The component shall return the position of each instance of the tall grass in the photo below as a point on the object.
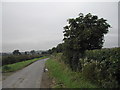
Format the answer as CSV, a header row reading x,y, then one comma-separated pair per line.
x,y
64,77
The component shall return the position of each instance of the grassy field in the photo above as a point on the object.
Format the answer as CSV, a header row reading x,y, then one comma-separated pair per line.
x,y
19,65
64,77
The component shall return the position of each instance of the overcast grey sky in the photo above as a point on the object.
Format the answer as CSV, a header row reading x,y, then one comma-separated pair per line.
x,y
39,25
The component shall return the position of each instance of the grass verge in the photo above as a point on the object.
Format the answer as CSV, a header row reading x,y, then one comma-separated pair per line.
x,y
63,77
19,65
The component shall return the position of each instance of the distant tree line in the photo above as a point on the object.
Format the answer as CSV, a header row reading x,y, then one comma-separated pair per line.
x,y
18,56
57,49
32,52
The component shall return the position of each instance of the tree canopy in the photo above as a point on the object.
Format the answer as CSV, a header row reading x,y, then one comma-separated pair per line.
x,y
86,32
16,52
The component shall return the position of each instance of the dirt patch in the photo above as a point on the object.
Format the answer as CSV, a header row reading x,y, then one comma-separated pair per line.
x,y
46,81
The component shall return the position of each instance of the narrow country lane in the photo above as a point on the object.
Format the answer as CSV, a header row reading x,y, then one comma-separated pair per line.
x,y
29,77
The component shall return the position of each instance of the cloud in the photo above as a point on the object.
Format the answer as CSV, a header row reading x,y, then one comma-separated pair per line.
x,y
33,25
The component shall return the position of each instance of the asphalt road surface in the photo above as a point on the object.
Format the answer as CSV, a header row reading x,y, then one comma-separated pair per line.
x,y
29,77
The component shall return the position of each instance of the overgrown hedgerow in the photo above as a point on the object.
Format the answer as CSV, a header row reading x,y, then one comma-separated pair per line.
x,y
64,77
10,59
102,67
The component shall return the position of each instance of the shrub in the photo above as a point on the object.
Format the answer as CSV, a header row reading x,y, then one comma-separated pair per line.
x,y
89,71
102,67
6,68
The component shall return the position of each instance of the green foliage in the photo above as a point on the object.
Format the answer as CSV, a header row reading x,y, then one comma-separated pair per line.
x,y
57,49
16,52
10,59
7,68
102,67
89,71
64,77
99,66
100,55
83,33
32,52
